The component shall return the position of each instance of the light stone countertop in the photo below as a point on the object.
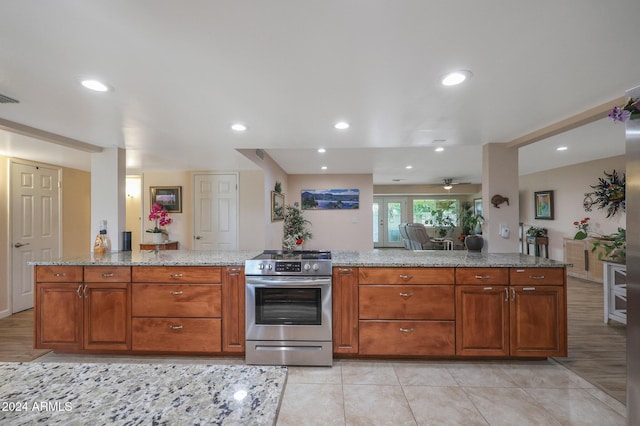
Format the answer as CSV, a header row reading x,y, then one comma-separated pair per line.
x,y
372,258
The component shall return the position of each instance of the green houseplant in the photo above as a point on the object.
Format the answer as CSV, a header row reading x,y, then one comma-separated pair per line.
x,y
295,228
614,246
470,223
441,222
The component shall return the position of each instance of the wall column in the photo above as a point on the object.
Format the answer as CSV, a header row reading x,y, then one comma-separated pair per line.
x,y
108,183
500,177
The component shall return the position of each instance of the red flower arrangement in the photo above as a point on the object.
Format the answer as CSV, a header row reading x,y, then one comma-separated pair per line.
x,y
583,228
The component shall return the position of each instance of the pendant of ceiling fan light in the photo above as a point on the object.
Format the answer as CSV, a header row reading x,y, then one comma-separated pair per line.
x,y
447,184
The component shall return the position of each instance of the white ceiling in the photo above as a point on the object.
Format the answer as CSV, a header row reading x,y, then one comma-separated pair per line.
x,y
182,72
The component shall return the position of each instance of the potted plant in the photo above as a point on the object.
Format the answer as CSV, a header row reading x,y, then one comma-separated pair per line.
x,y
470,224
614,245
441,222
295,228
160,218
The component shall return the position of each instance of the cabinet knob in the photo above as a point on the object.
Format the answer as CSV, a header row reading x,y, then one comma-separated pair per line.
x,y
176,275
175,293
60,274
406,330
482,277
406,277
536,277
407,295
175,327
107,274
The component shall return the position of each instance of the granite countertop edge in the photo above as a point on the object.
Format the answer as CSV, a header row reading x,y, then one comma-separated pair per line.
x,y
340,258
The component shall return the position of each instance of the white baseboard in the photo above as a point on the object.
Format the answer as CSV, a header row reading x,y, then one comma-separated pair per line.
x,y
5,313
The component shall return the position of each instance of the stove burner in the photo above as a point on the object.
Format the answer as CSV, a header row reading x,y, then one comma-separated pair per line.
x,y
294,255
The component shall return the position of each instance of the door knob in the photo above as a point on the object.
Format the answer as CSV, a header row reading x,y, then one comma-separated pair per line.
x,y
198,237
18,245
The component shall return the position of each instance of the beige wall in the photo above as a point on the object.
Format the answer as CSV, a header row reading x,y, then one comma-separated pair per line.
x,y
569,185
337,229
76,212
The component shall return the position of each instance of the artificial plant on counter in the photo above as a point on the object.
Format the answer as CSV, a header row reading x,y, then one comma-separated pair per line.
x,y
295,228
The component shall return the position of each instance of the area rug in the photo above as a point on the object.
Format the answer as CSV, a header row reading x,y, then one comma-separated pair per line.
x,y
159,394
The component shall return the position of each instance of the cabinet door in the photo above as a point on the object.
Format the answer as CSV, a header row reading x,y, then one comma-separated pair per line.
x,y
482,320
233,309
107,316
538,321
345,310
58,323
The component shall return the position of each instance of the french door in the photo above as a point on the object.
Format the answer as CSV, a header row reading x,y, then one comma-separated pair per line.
x,y
388,213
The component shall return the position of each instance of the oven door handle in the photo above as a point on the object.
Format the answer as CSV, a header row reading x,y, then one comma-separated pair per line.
x,y
289,281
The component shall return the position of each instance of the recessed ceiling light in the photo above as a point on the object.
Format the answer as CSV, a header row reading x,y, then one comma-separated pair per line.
x,y
324,167
238,127
439,149
95,85
408,167
456,77
341,125
322,150
561,148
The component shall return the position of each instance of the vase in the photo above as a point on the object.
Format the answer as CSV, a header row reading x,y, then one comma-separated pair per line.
x,y
157,238
474,242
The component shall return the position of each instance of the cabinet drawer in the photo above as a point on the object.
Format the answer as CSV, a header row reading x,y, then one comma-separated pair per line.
x,y
176,274
435,338
482,276
431,302
406,275
107,274
176,334
176,300
536,276
58,274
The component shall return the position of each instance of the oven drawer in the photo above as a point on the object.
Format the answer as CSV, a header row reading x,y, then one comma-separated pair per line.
x,y
430,338
176,274
176,300
430,302
176,334
406,275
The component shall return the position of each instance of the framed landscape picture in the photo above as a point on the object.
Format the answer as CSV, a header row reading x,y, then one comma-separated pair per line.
x,y
169,197
277,206
543,202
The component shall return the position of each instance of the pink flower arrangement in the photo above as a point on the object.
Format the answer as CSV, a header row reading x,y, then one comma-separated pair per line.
x,y
583,228
630,111
160,217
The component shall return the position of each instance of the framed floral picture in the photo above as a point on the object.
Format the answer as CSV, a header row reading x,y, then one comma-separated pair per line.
x,y
277,206
169,197
543,202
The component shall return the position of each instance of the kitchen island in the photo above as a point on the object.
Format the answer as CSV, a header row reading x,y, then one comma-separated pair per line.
x,y
386,303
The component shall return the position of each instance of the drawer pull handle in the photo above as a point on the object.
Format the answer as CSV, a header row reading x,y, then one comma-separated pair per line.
x,y
344,269
529,289
84,291
107,274
488,288
60,274
506,294
536,277
406,330
175,327
406,277
176,275
78,291
407,295
483,277
175,293
513,294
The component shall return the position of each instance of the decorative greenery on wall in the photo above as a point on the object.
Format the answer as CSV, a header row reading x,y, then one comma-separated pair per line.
x,y
609,193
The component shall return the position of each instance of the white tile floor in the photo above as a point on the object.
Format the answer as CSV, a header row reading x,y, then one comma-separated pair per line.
x,y
444,393
357,392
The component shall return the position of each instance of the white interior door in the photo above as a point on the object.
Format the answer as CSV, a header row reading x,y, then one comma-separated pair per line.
x,y
35,225
215,210
388,213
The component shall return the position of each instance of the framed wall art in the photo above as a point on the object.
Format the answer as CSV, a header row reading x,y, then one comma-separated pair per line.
x,y
330,199
277,206
169,197
477,206
543,202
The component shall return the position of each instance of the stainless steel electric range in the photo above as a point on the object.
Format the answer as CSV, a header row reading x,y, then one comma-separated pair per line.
x,y
288,308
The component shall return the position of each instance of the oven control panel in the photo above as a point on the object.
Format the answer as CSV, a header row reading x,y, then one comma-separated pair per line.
x,y
270,267
288,266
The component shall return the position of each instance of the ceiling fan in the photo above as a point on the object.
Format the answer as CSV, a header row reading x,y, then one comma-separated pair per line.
x,y
448,183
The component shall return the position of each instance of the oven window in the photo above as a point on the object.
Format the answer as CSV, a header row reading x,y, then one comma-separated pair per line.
x,y
289,306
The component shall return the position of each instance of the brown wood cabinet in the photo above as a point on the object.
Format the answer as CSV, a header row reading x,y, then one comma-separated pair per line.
x,y
77,315
512,320
345,310
406,311
233,309
583,259
176,309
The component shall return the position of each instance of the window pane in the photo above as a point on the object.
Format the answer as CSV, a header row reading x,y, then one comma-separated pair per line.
x,y
423,209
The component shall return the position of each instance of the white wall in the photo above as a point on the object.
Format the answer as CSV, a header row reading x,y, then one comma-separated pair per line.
x,y
569,185
336,229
